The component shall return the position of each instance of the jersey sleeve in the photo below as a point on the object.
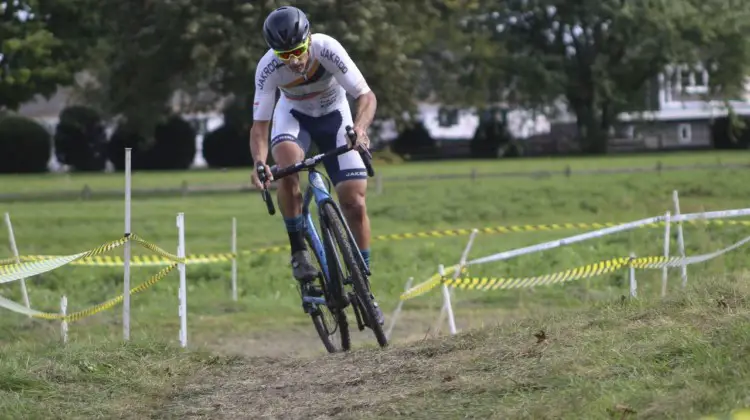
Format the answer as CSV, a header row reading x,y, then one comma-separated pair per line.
x,y
336,60
265,88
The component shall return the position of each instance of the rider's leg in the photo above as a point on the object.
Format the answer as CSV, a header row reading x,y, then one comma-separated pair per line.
x,y
288,145
289,194
290,204
351,195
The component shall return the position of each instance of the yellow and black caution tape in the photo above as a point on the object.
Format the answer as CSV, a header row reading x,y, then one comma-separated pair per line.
x,y
582,272
586,271
494,230
31,268
427,285
165,258
135,260
10,272
75,316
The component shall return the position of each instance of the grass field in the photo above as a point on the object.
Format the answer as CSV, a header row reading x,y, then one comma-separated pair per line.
x,y
95,374
75,182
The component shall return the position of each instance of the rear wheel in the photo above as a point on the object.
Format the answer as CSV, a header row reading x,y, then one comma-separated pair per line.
x,y
334,222
329,320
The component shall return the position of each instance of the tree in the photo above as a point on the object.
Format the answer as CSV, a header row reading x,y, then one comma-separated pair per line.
x,y
43,45
600,55
127,136
174,145
229,145
80,139
207,51
25,146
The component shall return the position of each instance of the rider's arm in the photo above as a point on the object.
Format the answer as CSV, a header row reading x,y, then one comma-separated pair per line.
x,y
337,60
366,106
263,104
259,140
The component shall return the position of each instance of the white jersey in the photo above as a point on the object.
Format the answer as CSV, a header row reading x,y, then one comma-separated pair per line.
x,y
322,89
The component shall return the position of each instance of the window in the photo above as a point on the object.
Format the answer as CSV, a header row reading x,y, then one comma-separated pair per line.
x,y
684,133
447,117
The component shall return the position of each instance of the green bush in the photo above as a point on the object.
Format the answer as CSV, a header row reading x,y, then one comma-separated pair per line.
x,y
730,133
127,135
415,142
174,145
490,139
25,146
80,139
170,146
226,147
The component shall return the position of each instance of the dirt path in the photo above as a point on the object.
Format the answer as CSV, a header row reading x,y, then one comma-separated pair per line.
x,y
287,375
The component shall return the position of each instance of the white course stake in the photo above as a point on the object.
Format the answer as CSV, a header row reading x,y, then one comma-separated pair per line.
x,y
459,270
633,283
664,272
126,253
397,311
680,238
182,292
14,248
234,258
64,311
447,302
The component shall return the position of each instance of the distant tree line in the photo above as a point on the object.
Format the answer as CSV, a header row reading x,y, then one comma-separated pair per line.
x,y
80,141
143,63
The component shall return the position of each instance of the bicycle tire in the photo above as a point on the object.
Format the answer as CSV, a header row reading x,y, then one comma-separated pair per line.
x,y
335,222
338,315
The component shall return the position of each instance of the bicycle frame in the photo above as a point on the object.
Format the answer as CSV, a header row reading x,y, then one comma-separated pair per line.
x,y
317,191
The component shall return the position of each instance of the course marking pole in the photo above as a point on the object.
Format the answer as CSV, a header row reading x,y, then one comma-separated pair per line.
x,y
680,237
14,248
633,283
234,259
126,251
64,325
461,265
664,271
182,292
397,311
447,302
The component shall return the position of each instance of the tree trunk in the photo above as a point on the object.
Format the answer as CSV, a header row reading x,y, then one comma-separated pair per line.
x,y
592,129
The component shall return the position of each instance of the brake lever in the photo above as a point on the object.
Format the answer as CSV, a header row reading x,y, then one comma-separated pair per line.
x,y
365,153
265,194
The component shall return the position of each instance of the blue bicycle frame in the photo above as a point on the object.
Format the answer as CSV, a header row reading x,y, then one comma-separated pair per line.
x,y
317,190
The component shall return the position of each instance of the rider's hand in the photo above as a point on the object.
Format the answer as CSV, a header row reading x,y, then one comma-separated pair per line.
x,y
256,179
363,141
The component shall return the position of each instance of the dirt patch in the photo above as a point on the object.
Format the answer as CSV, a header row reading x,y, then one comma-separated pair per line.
x,y
336,386
281,374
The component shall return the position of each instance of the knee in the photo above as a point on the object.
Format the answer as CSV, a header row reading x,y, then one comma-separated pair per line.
x,y
284,154
353,203
290,183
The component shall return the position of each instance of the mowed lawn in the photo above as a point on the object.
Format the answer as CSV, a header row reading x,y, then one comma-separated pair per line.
x,y
268,306
202,177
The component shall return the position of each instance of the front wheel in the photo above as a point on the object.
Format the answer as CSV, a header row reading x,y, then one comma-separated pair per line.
x,y
335,223
329,320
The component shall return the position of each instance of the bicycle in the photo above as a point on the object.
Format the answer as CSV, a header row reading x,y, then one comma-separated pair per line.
x,y
332,296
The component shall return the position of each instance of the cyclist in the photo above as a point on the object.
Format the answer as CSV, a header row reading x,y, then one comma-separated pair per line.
x,y
314,73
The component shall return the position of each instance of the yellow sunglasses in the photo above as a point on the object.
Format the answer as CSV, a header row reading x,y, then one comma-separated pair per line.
x,y
296,52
